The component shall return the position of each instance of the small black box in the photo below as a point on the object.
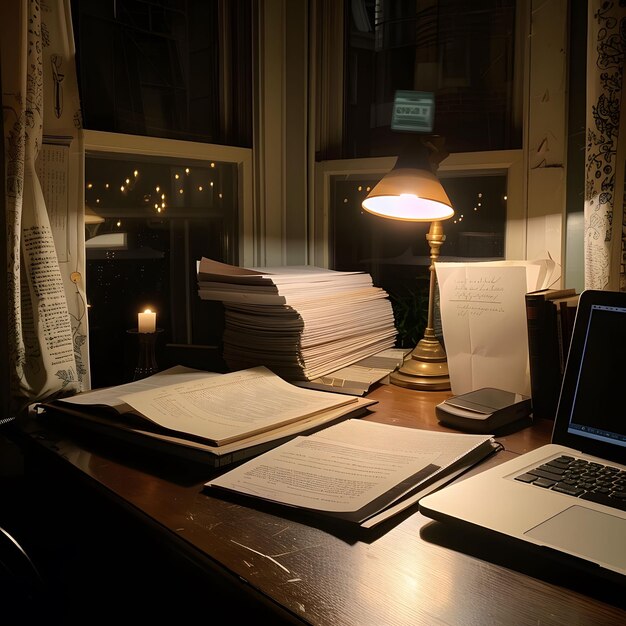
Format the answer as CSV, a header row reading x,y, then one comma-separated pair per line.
x,y
486,410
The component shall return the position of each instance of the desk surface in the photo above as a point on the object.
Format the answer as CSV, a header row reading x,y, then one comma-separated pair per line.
x,y
410,571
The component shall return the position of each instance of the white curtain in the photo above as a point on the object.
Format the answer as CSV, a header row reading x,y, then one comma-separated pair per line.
x,y
606,147
46,299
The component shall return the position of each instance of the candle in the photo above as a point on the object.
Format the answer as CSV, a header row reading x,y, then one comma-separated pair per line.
x,y
146,321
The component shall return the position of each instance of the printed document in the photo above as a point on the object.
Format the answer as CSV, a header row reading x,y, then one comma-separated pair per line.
x,y
353,470
228,407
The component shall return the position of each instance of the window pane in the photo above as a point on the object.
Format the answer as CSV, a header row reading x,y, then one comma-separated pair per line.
x,y
157,219
176,69
463,52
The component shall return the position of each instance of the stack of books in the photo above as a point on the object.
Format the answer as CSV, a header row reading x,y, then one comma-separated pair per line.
x,y
301,322
550,317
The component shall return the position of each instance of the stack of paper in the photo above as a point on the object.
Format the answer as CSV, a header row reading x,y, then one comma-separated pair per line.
x,y
301,322
212,419
358,378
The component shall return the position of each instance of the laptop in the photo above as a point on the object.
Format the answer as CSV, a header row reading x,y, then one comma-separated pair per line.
x,y
569,495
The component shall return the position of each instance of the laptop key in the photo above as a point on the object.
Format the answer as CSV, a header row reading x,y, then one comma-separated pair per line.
x,y
551,468
526,478
544,482
571,490
540,473
559,464
601,498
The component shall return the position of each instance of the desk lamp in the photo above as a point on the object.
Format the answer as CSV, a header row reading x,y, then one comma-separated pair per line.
x,y
412,192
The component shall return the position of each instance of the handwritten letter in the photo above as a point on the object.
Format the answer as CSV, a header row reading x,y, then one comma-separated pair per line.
x,y
483,315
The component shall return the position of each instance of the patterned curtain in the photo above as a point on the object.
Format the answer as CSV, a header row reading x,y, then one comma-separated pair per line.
x,y
46,310
606,147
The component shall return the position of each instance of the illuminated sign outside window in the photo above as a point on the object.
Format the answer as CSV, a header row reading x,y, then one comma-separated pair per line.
x,y
413,111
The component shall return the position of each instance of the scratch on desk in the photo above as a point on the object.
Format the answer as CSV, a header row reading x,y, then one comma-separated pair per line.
x,y
281,531
208,527
290,552
265,556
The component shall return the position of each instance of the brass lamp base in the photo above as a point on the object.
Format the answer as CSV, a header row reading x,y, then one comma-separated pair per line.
x,y
424,369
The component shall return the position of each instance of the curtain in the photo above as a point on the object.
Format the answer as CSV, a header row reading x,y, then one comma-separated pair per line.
x,y
604,234
47,315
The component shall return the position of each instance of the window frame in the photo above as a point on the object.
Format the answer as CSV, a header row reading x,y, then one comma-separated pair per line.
x,y
241,251
508,162
93,142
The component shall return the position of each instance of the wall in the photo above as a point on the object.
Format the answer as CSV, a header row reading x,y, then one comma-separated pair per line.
x,y
546,138
280,135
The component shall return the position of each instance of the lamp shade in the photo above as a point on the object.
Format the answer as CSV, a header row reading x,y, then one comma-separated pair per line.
x,y
409,194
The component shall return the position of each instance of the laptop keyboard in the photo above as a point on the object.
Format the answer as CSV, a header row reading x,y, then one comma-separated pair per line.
x,y
582,479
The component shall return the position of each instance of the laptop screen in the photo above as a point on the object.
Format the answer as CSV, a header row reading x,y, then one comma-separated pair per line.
x,y
591,416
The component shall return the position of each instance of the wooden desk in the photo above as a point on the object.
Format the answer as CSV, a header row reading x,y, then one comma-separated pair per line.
x,y
411,571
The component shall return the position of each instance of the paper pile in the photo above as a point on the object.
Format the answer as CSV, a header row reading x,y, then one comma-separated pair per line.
x,y
301,322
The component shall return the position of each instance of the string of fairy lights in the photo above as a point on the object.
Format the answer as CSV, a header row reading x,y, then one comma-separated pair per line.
x,y
156,197
477,207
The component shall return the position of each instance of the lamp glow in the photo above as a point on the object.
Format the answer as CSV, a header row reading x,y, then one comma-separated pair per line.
x,y
408,207
410,194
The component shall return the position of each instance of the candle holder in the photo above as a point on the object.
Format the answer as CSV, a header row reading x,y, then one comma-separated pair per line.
x,y
146,359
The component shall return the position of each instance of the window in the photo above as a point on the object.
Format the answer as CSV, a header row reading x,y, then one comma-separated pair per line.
x,y
153,208
166,98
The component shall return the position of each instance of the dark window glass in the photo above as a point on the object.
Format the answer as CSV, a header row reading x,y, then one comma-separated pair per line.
x,y
177,69
148,222
463,52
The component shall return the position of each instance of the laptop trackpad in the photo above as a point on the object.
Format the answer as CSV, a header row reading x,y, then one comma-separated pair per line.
x,y
597,536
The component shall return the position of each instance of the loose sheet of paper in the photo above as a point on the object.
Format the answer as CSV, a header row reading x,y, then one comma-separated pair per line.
x,y
483,315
